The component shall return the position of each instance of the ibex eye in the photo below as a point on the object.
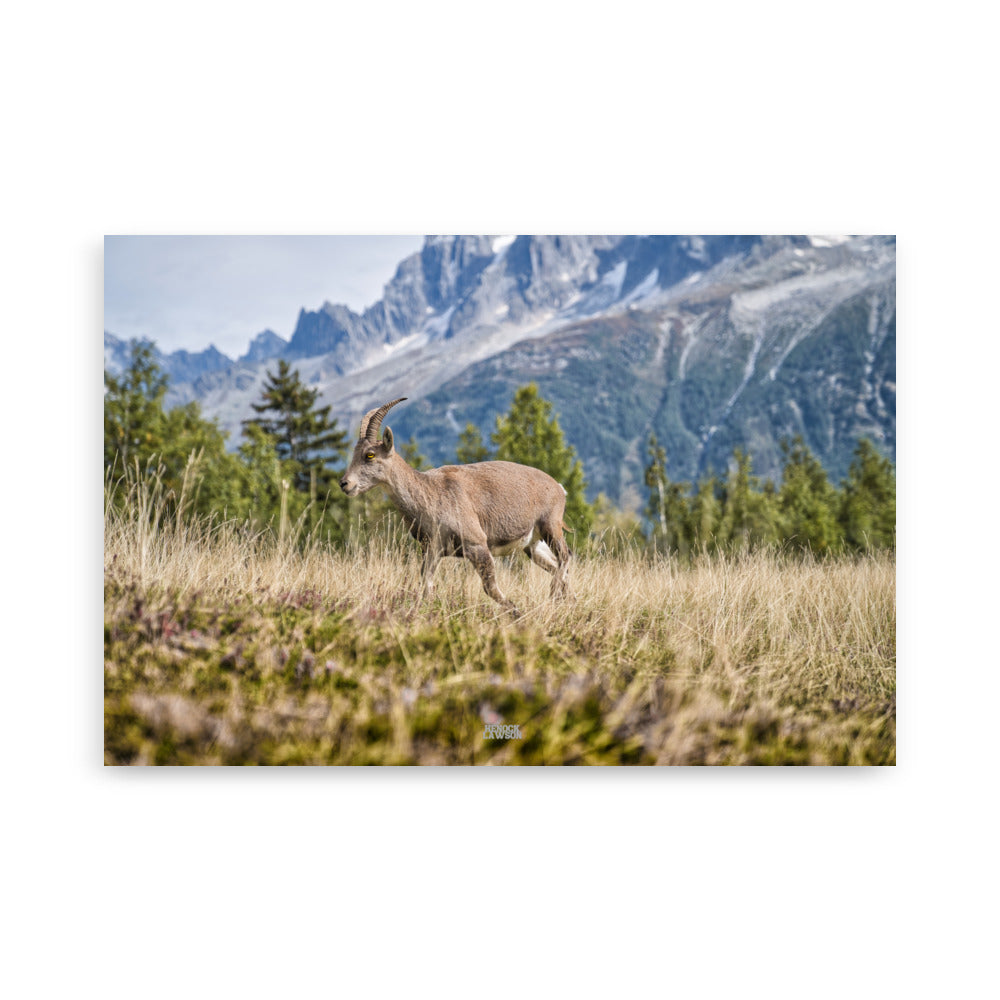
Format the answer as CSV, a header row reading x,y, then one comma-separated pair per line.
x,y
370,456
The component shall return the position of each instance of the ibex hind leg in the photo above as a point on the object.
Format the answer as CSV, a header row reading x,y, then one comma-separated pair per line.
x,y
541,555
552,537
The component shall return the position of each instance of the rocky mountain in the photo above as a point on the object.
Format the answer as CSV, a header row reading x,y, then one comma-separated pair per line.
x,y
182,367
263,347
710,341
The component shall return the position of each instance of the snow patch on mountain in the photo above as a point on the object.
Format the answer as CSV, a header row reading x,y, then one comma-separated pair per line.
x,y
615,278
824,242
438,326
645,287
607,292
501,243
748,371
691,333
411,340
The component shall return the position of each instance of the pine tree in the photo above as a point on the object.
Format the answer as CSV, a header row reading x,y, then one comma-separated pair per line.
x,y
530,434
471,447
868,500
133,408
304,435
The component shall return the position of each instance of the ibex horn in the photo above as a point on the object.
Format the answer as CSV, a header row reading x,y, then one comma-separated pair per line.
x,y
371,422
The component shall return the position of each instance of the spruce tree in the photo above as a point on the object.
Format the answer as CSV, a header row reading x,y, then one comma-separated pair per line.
x,y
749,514
530,434
807,502
304,435
706,513
734,528
868,500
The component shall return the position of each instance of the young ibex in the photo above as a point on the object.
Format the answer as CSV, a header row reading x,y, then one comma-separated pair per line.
x,y
468,511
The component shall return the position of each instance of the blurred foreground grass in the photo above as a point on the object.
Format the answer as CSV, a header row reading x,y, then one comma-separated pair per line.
x,y
224,648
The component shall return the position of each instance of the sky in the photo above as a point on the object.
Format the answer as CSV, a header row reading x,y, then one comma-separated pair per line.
x,y
187,292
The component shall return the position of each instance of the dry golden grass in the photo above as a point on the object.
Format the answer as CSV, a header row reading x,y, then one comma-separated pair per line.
x,y
762,658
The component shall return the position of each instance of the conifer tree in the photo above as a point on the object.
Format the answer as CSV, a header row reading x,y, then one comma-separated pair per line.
x,y
471,447
706,513
530,434
734,527
868,500
304,435
667,507
807,502
749,514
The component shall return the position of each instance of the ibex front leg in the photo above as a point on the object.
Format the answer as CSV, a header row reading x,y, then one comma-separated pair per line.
x,y
479,556
432,556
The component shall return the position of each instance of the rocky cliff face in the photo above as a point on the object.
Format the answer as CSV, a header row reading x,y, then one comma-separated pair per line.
x,y
469,286
710,341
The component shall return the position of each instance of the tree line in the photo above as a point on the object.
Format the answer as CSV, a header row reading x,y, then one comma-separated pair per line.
x,y
283,477
804,512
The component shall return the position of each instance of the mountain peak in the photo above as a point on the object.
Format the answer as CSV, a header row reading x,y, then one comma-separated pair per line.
x,y
266,345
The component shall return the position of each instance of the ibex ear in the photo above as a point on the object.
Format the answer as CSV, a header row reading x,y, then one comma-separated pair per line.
x,y
387,440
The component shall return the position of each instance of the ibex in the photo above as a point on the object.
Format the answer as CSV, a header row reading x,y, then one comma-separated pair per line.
x,y
470,511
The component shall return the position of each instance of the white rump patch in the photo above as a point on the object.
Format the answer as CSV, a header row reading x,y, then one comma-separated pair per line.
x,y
515,546
540,553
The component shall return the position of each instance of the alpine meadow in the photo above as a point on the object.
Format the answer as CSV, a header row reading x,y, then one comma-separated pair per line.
x,y
720,412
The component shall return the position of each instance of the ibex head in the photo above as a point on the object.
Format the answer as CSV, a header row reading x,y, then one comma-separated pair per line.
x,y
370,454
